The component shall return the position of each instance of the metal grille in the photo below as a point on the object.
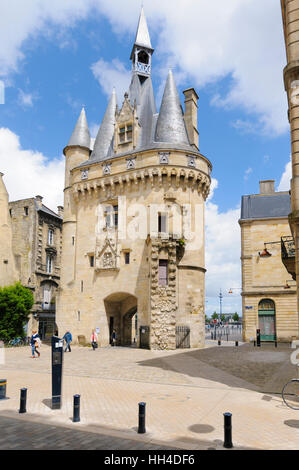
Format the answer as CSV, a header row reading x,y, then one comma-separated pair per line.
x,y
182,337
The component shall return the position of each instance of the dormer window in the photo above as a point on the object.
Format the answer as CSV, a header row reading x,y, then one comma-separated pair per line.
x,y
126,134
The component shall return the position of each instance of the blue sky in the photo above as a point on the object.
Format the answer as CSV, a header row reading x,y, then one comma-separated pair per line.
x,y
64,56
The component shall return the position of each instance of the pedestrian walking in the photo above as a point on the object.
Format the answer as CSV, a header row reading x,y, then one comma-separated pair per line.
x,y
114,338
94,340
68,339
35,343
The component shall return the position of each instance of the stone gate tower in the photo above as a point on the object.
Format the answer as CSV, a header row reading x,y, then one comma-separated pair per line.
x,y
133,234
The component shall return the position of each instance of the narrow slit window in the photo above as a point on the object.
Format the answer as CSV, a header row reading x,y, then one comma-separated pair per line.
x,y
163,272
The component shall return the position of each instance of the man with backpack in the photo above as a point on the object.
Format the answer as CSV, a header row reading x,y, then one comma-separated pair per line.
x,y
68,339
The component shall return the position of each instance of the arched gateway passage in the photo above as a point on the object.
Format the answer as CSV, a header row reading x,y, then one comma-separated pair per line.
x,y
121,311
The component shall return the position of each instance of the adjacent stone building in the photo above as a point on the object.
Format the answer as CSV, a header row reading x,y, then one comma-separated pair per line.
x,y
31,243
130,261
290,15
268,291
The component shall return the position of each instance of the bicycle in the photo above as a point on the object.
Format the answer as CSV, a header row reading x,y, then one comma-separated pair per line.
x,y
290,393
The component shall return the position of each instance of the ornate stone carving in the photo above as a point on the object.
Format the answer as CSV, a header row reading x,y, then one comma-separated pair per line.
x,y
107,256
164,158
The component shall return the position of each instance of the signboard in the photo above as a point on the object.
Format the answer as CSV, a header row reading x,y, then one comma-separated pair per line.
x,y
248,307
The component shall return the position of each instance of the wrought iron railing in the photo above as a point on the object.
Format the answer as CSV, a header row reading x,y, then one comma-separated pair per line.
x,y
287,247
142,68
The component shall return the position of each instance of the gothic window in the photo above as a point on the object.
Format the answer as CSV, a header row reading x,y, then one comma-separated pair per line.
x,y
50,237
91,261
111,216
49,264
163,272
26,211
143,57
126,134
127,257
46,296
162,223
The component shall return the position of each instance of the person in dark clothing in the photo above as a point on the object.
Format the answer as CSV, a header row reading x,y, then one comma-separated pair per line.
x,y
34,343
114,338
68,339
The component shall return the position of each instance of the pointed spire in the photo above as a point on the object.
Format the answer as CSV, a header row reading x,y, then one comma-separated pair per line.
x,y
106,131
171,125
80,136
142,36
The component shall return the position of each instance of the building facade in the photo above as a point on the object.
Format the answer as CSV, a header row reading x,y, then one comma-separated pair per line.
x,y
290,16
268,292
31,253
133,228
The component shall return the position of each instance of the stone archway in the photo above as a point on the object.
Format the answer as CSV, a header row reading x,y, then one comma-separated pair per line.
x,y
121,309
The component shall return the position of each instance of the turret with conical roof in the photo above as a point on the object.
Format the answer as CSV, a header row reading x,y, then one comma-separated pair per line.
x,y
81,135
103,143
171,125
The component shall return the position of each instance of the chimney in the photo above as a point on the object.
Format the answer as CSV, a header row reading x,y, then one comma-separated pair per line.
x,y
267,187
60,211
190,116
39,201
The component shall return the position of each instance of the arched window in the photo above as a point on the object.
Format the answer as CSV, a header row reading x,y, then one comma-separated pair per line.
x,y
143,57
266,304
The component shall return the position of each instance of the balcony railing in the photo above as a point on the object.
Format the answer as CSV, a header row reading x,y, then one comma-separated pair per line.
x,y
142,68
287,247
288,252
43,268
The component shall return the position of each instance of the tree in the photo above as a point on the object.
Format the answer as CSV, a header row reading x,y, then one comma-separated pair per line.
x,y
215,316
16,302
236,317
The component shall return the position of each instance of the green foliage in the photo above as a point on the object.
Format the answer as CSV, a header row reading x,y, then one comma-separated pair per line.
x,y
16,302
236,317
215,316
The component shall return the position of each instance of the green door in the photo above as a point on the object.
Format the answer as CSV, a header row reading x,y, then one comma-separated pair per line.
x,y
267,320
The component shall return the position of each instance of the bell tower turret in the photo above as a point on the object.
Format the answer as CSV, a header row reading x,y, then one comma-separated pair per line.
x,y
142,52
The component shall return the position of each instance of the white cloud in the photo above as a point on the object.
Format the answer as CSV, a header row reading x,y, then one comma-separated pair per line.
x,y
223,251
26,99
205,41
285,182
28,173
112,75
248,173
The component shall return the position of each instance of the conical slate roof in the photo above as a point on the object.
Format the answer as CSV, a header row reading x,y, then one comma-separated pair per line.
x,y
80,136
171,125
142,36
103,142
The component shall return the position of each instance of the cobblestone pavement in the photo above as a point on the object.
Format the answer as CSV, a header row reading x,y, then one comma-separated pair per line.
x,y
186,393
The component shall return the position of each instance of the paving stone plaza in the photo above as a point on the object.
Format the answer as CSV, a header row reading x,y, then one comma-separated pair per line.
x,y
186,393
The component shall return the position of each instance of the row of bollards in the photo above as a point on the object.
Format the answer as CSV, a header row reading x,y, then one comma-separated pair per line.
x,y
141,417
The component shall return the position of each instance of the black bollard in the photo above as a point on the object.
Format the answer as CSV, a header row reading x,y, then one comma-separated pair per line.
x,y
276,344
23,400
237,343
254,343
76,413
3,383
141,424
219,342
227,431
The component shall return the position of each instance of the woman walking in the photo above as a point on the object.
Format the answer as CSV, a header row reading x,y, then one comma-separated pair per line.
x,y
35,343
94,340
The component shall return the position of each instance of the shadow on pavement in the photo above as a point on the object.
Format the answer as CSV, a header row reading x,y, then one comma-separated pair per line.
x,y
264,369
